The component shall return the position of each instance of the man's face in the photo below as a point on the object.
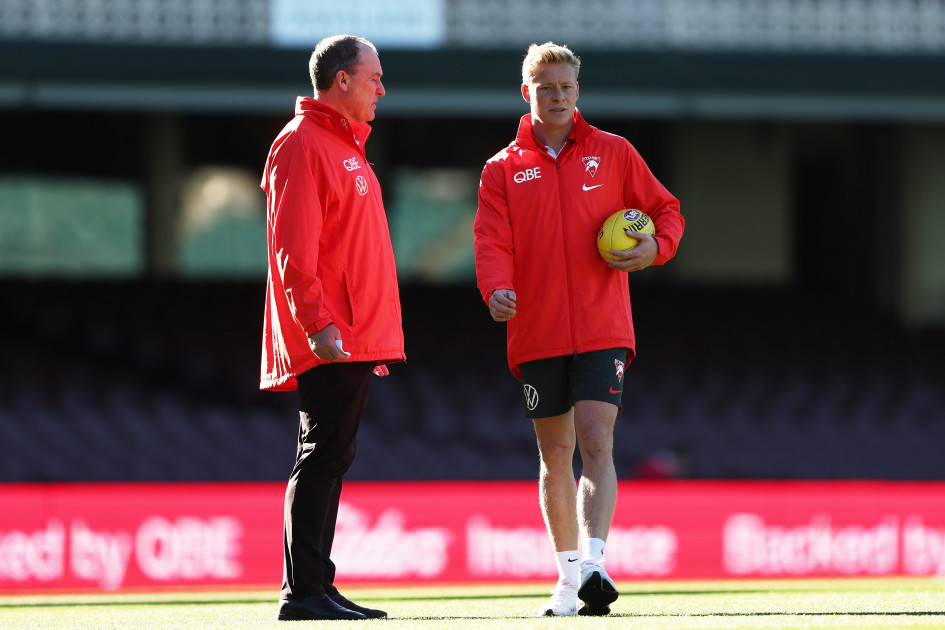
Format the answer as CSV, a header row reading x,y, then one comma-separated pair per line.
x,y
364,87
553,94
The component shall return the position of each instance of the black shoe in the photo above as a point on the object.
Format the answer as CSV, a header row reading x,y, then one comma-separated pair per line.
x,y
370,613
597,592
586,610
314,607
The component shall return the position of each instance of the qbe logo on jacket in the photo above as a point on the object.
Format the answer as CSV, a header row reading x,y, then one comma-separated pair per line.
x,y
527,175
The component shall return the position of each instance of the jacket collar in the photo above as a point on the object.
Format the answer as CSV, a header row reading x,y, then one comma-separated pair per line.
x,y
330,118
525,137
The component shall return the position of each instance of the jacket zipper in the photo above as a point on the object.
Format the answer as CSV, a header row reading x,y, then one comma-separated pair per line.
x,y
567,261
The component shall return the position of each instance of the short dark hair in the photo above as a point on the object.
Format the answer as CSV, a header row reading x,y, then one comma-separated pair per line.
x,y
332,55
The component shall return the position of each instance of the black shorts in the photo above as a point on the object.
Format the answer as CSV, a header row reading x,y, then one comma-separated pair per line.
x,y
551,386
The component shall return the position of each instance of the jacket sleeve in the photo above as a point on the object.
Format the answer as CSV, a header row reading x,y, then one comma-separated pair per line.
x,y
298,216
644,192
493,234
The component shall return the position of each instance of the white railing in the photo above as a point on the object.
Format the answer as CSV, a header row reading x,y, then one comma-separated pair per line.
x,y
883,26
888,26
136,21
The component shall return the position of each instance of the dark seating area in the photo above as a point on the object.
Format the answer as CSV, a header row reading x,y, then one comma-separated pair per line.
x,y
155,381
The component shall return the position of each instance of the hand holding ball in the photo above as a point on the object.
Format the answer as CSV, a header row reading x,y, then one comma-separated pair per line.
x,y
613,234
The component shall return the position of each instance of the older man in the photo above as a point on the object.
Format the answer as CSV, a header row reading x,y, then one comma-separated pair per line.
x,y
332,314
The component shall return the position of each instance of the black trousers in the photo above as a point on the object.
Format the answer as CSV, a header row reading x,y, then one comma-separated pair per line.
x,y
332,398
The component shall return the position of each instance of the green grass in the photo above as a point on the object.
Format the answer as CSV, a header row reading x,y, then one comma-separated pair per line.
x,y
860,603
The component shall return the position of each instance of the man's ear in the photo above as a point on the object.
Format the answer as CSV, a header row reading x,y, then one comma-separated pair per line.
x,y
525,94
342,79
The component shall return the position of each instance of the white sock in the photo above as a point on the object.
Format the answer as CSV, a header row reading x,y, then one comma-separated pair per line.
x,y
569,569
593,549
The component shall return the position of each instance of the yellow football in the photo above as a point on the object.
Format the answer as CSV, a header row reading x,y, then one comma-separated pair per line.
x,y
613,234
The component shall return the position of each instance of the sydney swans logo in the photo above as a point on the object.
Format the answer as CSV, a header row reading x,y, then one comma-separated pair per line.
x,y
590,164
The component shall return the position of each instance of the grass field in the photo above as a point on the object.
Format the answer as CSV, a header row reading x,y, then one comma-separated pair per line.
x,y
860,603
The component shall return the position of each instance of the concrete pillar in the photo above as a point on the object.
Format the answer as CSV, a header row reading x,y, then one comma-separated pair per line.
x,y
922,177
164,173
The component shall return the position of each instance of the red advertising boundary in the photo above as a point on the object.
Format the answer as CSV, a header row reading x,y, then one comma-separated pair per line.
x,y
133,537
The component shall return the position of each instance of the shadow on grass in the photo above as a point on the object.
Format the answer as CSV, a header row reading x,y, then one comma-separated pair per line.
x,y
182,601
624,595
626,615
627,597
768,613
935,613
131,603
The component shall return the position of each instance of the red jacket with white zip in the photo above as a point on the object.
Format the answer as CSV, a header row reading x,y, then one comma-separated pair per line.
x,y
536,234
330,254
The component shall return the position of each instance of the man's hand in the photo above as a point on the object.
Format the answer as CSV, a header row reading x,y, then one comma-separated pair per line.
x,y
502,305
640,257
323,344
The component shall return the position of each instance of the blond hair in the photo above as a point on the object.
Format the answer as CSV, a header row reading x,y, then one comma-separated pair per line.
x,y
549,52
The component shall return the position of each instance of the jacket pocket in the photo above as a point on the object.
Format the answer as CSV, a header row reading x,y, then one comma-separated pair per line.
x,y
349,301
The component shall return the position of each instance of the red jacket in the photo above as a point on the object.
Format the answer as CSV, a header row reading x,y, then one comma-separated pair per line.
x,y
536,233
330,254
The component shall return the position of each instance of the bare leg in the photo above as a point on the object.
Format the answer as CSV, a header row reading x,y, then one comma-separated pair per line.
x,y
597,492
556,484
597,496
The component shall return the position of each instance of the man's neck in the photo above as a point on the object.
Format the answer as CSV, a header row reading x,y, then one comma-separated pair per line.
x,y
554,137
330,99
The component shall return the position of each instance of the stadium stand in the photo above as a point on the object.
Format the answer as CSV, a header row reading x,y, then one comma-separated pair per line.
x,y
157,382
